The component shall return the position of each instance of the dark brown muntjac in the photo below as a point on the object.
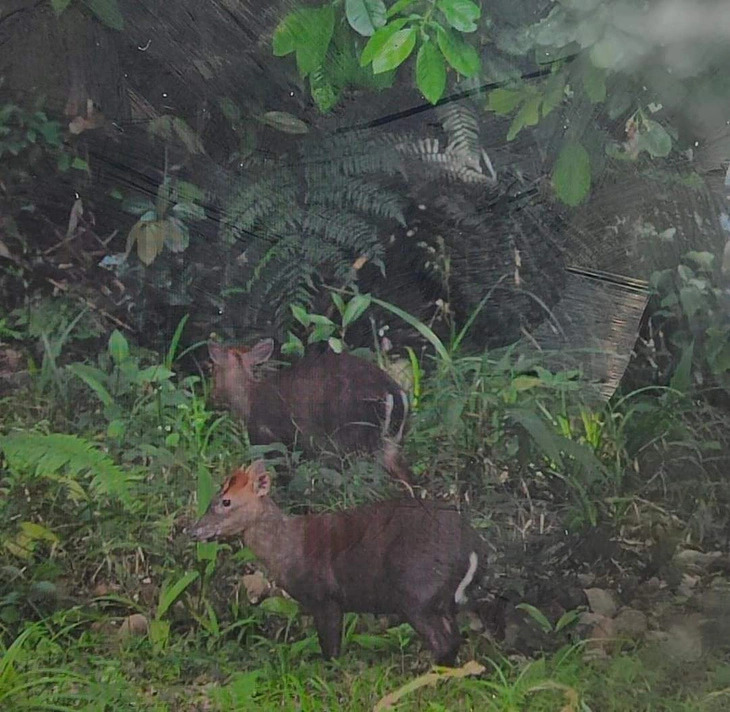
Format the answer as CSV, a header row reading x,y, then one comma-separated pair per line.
x,y
324,399
408,557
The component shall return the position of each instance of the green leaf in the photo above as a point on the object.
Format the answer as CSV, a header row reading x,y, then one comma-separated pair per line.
x,y
108,12
59,5
186,192
339,302
300,314
504,101
430,71
365,16
92,377
314,28
528,115
567,619
321,332
79,164
335,344
137,205
116,429
537,615
189,211
355,308
571,177
170,594
280,606
154,374
654,139
460,14
284,121
682,376
118,347
398,7
376,42
395,50
293,345
553,93
459,54
283,41
594,83
323,91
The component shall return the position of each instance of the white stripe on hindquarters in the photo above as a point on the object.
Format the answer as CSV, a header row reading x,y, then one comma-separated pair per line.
x,y
404,398
389,402
459,595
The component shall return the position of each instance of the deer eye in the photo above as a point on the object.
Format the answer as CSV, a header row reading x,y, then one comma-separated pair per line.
x,y
226,502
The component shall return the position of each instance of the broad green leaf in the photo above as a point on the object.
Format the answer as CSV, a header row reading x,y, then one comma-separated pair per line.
x,y
335,344
116,429
154,374
355,308
365,16
177,235
395,50
462,15
79,164
137,205
283,41
108,12
682,377
300,314
528,115
376,42
170,594
459,54
321,332
280,606
188,211
504,101
607,52
537,615
118,347
594,83
59,5
313,34
323,91
571,177
399,7
654,139
186,192
293,345
339,302
430,71
90,376
553,93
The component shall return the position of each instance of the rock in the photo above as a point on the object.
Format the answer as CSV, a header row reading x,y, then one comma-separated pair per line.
x,y
631,623
601,601
136,624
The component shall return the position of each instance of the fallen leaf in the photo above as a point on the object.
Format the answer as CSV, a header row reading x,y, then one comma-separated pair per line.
x,y
430,678
256,586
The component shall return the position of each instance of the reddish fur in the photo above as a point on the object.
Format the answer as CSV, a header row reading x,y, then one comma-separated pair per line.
x,y
406,557
323,400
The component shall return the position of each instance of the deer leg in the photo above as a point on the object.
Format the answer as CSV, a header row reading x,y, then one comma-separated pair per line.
x,y
328,622
395,464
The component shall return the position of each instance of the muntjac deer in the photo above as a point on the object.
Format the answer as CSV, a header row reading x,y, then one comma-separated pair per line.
x,y
409,557
322,400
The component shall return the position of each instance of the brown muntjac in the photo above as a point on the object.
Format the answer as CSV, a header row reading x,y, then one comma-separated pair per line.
x,y
408,557
323,400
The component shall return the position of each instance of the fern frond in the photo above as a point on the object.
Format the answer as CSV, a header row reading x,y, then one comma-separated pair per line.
x,y
359,194
461,125
463,167
46,455
255,202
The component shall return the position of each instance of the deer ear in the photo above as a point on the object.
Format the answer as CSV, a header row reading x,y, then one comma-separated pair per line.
x,y
262,351
217,352
260,478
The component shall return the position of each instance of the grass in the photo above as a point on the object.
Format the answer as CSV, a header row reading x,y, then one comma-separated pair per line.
x,y
77,559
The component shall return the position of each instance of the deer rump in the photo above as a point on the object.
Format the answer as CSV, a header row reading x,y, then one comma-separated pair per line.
x,y
323,402
327,401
